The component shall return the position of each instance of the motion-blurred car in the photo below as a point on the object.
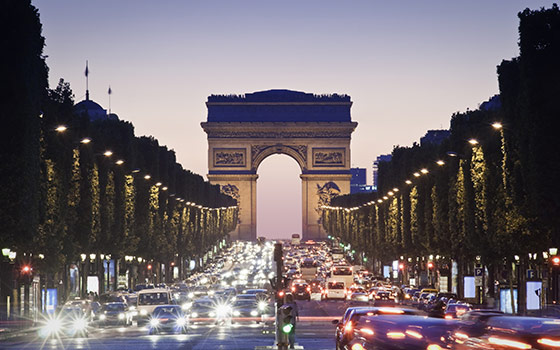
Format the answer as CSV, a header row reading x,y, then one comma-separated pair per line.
x,y
402,332
168,318
512,332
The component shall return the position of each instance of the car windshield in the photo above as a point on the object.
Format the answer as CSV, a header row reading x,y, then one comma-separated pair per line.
x,y
336,285
153,298
171,310
243,303
113,307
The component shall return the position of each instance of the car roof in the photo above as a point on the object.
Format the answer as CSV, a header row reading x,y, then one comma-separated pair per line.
x,y
154,290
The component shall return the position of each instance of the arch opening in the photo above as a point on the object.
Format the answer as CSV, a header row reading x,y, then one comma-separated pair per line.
x,y
279,204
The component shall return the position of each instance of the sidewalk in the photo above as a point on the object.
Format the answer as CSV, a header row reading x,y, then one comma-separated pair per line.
x,y
12,329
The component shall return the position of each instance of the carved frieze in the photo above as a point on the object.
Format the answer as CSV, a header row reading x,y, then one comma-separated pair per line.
x,y
329,157
230,157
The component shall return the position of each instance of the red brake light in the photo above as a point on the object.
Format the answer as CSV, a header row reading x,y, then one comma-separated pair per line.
x,y
357,346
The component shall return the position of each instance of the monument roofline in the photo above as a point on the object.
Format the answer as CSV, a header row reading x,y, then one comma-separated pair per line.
x,y
279,106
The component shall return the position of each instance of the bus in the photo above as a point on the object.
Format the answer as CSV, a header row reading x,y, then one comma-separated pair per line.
x,y
296,239
337,254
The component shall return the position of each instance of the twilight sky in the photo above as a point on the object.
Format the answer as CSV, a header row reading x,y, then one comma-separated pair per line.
x,y
407,65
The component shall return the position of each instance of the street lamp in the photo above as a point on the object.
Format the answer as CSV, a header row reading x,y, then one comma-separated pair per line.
x,y
408,182
147,177
108,153
473,142
85,140
61,128
416,174
119,162
424,171
440,162
6,252
497,125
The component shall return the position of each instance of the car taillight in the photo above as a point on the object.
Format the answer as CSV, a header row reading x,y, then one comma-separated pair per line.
x,y
293,289
309,289
367,331
348,327
395,335
448,317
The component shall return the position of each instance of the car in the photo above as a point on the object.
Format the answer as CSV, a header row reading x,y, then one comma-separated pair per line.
x,y
114,313
168,318
358,297
335,290
384,298
301,291
148,299
406,332
511,332
345,326
245,308
456,310
68,321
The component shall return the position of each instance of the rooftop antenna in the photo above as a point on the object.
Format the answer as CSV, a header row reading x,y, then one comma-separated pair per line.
x,y
109,92
87,83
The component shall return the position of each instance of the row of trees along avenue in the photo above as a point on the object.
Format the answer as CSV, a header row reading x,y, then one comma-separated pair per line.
x,y
489,195
88,188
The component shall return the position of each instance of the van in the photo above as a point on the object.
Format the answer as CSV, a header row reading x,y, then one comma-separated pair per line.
x,y
148,299
335,290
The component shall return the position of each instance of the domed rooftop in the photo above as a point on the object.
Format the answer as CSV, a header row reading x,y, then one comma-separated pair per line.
x,y
87,105
93,110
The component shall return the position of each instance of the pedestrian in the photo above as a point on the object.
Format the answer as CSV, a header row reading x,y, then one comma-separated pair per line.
x,y
295,317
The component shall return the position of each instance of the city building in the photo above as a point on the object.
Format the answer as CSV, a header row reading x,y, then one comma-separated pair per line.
x,y
358,183
381,158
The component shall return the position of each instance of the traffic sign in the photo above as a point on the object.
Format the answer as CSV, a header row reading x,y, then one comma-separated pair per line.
x,y
478,272
531,274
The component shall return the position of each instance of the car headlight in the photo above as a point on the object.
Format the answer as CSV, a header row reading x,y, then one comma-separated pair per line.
x,y
132,307
236,313
194,314
80,324
254,313
181,322
263,305
154,322
186,306
52,326
121,316
143,312
211,314
191,295
101,317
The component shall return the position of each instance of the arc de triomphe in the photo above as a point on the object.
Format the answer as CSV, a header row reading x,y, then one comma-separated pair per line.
x,y
315,130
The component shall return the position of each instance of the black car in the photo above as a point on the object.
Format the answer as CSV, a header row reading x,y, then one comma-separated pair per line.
x,y
168,318
301,291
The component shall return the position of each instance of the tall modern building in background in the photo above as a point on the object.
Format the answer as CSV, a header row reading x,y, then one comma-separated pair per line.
x,y
381,158
358,183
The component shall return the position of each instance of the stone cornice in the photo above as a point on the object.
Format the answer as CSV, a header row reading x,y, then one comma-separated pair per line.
x,y
270,130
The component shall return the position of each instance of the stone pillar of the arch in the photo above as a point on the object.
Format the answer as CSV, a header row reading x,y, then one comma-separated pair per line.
x,y
312,201
247,202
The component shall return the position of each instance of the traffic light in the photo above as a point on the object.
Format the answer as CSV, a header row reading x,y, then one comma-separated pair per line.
x,y
555,261
286,319
401,266
430,265
26,269
149,267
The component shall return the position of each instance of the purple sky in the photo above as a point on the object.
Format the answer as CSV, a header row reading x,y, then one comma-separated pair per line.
x,y
407,65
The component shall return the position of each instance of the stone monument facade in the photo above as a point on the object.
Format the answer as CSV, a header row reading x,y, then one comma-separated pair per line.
x,y
315,130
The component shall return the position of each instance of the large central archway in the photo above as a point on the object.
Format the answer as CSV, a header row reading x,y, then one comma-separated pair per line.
x,y
314,130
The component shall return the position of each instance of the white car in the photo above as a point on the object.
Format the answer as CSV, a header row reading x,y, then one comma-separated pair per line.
x,y
148,300
335,290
